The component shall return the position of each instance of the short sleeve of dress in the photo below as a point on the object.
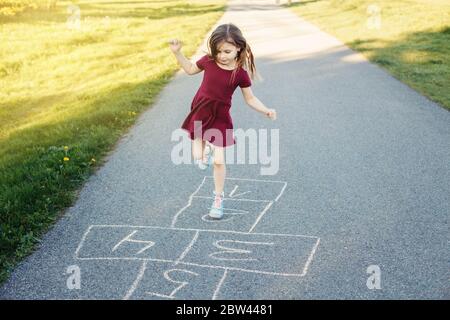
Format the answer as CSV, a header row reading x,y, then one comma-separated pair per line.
x,y
245,80
202,62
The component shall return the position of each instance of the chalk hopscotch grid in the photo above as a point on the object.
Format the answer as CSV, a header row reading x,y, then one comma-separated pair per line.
x,y
270,202
191,244
179,261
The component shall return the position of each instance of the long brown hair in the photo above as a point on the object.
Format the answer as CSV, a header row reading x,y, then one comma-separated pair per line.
x,y
230,33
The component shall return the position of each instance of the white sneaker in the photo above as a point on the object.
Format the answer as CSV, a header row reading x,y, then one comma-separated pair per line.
x,y
216,211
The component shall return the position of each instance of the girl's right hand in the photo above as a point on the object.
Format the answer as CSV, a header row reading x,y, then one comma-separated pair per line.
x,y
272,114
175,45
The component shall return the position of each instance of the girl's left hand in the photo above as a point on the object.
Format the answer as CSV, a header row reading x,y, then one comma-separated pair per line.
x,y
175,45
272,114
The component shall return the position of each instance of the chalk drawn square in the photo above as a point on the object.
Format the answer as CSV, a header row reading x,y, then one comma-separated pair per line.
x,y
164,281
238,215
104,279
133,242
249,189
260,253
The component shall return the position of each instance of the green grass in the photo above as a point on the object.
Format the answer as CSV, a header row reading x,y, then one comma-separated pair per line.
x,y
81,88
412,43
14,7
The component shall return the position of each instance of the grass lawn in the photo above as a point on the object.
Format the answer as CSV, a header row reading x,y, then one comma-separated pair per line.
x,y
409,38
73,79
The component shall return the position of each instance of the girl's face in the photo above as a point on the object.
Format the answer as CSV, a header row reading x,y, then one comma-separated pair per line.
x,y
226,53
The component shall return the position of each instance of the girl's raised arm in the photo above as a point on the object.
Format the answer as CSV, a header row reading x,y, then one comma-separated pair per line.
x,y
189,67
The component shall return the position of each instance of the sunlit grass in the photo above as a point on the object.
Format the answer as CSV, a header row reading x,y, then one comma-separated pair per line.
x,y
412,40
79,88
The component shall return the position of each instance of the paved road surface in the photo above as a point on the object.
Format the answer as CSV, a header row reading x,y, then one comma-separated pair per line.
x,y
363,180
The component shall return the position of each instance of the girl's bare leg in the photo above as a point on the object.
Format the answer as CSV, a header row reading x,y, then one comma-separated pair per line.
x,y
219,169
198,148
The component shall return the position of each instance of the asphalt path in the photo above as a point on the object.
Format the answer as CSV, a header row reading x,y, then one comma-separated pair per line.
x,y
357,208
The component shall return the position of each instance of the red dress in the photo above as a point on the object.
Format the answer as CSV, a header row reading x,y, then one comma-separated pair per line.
x,y
211,104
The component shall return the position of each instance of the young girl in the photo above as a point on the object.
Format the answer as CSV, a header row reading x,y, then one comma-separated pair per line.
x,y
225,68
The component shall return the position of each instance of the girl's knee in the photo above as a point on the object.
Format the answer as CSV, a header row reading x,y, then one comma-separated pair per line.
x,y
219,163
219,160
219,156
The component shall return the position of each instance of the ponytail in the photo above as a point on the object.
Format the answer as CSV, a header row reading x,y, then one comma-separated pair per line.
x,y
246,60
